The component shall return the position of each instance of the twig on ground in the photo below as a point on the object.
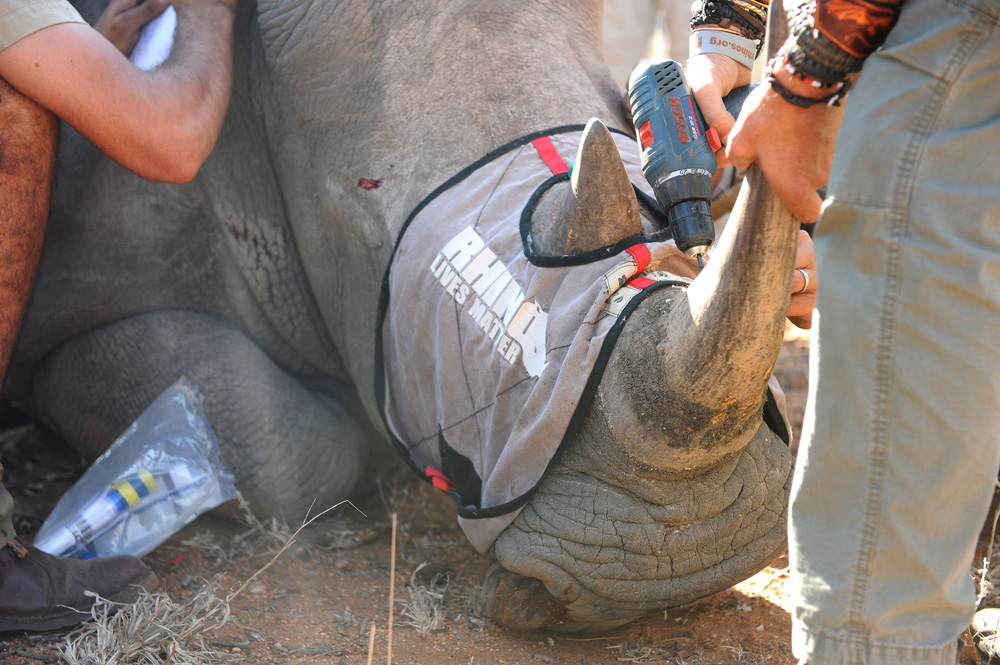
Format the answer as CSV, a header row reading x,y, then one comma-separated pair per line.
x,y
291,541
371,645
392,587
45,658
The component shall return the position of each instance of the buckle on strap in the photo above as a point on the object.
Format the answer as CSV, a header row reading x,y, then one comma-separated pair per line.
x,y
20,550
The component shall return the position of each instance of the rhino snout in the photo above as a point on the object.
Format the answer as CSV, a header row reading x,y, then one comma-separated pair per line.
x,y
588,553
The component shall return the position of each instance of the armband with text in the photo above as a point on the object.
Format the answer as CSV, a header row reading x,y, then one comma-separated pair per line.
x,y
739,48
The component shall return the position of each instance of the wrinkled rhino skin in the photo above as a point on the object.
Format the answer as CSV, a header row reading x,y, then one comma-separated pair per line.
x,y
259,282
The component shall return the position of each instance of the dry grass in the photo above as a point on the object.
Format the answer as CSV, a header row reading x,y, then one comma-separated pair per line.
x,y
261,536
471,603
156,630
986,576
638,652
697,659
741,656
423,606
152,630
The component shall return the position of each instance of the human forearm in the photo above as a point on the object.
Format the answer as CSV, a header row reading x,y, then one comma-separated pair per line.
x,y
27,164
830,39
726,37
199,70
832,36
160,124
790,126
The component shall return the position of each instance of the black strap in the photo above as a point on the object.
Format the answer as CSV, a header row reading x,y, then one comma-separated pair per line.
x,y
774,419
576,421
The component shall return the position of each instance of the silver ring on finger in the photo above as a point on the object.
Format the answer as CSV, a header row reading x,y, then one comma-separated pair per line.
x,y
805,286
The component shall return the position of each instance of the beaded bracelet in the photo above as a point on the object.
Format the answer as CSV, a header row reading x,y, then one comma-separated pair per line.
x,y
781,60
724,14
812,54
710,26
755,11
805,102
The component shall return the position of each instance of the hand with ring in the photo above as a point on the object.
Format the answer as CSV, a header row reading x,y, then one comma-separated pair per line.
x,y
805,285
804,281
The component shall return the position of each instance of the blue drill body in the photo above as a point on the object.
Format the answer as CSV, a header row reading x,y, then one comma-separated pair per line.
x,y
678,158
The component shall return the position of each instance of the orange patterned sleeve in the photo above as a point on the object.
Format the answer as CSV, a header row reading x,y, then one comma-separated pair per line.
x,y
830,39
858,27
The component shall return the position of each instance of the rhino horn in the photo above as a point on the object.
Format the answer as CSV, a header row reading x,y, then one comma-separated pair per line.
x,y
717,343
597,208
721,341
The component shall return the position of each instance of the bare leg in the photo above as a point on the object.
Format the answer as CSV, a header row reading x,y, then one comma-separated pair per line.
x,y
38,591
27,164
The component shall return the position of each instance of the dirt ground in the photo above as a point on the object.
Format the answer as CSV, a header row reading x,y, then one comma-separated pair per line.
x,y
320,599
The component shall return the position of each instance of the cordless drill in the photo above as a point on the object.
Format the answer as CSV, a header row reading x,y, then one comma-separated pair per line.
x,y
678,150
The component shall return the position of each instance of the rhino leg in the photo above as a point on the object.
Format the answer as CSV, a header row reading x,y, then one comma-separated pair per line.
x,y
285,444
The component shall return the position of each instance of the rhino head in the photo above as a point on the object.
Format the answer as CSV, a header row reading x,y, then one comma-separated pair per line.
x,y
674,487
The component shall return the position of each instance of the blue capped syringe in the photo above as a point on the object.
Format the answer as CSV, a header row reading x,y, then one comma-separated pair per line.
x,y
122,496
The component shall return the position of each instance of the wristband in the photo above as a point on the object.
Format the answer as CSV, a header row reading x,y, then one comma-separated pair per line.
x,y
724,13
723,42
782,62
814,55
806,102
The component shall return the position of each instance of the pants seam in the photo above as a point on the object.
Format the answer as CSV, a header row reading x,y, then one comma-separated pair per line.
x,y
979,9
862,643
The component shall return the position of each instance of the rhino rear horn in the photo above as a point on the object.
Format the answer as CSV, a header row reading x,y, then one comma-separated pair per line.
x,y
597,208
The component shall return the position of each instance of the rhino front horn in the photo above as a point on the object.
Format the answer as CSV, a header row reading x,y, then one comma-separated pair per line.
x,y
596,208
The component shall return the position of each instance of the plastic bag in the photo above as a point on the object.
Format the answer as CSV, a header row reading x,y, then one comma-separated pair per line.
x,y
160,474
156,40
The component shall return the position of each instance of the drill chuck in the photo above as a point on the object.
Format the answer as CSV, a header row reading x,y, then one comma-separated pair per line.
x,y
694,229
685,196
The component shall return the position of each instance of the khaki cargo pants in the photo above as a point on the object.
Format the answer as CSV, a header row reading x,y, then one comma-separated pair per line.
x,y
901,443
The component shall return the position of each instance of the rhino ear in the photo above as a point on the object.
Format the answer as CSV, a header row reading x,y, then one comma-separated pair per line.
x,y
597,208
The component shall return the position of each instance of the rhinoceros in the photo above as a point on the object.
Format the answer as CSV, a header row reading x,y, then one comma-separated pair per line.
x,y
663,474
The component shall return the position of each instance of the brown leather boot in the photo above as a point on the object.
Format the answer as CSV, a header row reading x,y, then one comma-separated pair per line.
x,y
39,591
